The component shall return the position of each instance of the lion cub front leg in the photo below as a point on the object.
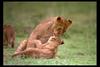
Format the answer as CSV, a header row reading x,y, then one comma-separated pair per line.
x,y
38,44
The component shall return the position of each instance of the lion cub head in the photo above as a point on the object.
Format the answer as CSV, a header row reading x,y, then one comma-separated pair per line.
x,y
60,25
55,39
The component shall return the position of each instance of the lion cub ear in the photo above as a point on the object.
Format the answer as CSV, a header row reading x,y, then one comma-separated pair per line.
x,y
69,20
58,18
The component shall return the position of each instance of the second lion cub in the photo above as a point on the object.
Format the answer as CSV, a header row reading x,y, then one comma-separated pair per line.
x,y
47,50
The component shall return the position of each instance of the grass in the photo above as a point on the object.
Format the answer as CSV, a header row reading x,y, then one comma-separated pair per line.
x,y
80,40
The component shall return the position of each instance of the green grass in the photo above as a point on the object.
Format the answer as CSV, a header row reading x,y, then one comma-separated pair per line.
x,y
79,41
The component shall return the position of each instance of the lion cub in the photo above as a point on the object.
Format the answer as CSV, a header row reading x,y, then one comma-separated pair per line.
x,y
47,50
8,35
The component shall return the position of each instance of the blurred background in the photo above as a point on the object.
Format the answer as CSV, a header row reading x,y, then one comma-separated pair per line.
x,y
80,38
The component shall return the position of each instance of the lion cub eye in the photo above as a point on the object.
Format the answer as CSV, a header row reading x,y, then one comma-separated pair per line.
x,y
53,39
59,29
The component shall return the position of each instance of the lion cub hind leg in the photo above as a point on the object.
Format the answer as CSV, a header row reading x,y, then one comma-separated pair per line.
x,y
22,46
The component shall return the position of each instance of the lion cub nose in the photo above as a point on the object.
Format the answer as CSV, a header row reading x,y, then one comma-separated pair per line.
x,y
62,42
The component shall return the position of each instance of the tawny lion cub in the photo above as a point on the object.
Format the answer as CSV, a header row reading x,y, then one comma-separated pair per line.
x,y
47,50
8,35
